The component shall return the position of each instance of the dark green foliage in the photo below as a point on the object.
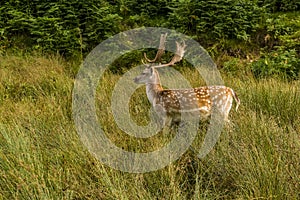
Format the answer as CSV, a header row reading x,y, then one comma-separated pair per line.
x,y
282,59
126,61
280,63
280,5
136,13
69,26
217,19
65,26
149,8
287,30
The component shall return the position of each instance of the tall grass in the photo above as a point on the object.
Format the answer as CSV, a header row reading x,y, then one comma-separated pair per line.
x,y
42,157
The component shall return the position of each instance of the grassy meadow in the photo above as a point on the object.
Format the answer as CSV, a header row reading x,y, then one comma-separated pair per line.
x,y
42,157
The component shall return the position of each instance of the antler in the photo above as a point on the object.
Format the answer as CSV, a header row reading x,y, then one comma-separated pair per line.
x,y
180,49
178,55
161,49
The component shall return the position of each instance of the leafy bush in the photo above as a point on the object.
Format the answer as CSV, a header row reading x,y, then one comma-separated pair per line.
x,y
136,13
217,19
291,40
75,26
65,26
280,5
281,63
149,8
282,30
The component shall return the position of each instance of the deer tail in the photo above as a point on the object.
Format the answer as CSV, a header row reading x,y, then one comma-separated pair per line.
x,y
236,98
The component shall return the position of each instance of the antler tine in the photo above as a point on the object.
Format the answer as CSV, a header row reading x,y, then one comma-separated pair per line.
x,y
161,49
180,49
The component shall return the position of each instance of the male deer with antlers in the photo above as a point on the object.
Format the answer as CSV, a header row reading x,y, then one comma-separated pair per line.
x,y
171,103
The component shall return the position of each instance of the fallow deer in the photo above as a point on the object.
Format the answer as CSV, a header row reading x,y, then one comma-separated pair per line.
x,y
171,103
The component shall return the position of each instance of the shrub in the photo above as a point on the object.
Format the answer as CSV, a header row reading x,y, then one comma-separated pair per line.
x,y
281,63
149,8
234,19
65,26
280,5
283,30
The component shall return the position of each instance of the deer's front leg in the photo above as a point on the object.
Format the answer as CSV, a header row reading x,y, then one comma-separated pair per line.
x,y
165,119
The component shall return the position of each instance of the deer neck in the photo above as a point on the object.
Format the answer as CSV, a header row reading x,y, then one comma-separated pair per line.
x,y
153,88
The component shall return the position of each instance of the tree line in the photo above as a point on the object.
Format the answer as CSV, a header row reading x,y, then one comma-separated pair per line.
x,y
72,27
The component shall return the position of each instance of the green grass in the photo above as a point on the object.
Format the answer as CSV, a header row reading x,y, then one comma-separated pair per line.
x,y
42,157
